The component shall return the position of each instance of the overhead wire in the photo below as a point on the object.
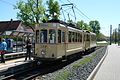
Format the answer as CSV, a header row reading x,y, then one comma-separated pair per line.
x,y
79,10
6,2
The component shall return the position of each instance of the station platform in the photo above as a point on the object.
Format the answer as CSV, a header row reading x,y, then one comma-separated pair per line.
x,y
11,67
11,63
110,67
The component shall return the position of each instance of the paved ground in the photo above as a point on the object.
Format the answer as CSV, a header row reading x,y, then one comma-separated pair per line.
x,y
110,68
12,63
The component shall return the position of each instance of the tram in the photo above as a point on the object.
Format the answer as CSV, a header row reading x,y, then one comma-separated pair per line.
x,y
56,40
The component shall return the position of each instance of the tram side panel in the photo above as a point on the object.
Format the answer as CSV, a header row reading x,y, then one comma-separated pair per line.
x,y
74,48
75,44
61,41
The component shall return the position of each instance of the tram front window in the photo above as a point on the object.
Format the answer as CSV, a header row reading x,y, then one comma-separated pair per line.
x,y
37,36
59,36
52,36
43,36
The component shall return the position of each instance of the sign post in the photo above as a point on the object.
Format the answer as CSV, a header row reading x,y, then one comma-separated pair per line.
x,y
110,34
118,34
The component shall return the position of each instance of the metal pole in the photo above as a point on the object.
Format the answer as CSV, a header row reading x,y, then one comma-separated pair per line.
x,y
118,34
115,36
110,33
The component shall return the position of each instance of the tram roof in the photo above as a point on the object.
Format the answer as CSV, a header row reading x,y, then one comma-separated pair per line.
x,y
70,26
92,33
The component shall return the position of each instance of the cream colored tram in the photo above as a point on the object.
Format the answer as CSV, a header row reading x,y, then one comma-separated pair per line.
x,y
55,40
75,41
86,42
92,40
50,41
89,41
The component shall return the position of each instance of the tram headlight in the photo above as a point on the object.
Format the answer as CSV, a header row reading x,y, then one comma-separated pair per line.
x,y
43,53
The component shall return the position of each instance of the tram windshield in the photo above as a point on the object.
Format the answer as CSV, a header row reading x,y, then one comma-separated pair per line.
x,y
37,36
52,36
43,36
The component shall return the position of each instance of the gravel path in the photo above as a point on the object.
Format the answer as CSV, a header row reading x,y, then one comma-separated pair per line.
x,y
78,70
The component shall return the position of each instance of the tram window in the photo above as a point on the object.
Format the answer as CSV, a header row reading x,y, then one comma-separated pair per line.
x,y
37,36
84,37
59,36
43,36
70,36
63,36
75,37
92,38
52,36
88,37
80,37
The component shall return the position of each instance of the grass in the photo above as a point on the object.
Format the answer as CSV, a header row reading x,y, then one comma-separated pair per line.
x,y
102,44
63,76
84,61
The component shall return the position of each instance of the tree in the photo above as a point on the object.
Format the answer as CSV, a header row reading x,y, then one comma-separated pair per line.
x,y
84,26
95,25
54,9
30,12
69,21
80,24
101,37
89,28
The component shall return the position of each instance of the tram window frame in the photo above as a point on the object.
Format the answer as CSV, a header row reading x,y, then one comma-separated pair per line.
x,y
63,36
51,36
44,38
37,36
59,36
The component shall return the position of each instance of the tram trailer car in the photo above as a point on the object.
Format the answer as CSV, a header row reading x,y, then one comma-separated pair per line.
x,y
55,40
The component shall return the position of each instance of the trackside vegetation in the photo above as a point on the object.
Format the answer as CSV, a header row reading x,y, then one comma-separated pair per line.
x,y
65,74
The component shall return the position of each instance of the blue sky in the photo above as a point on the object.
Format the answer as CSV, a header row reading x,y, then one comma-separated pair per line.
x,y
107,12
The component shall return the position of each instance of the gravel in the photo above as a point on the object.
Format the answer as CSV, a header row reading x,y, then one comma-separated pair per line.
x,y
78,73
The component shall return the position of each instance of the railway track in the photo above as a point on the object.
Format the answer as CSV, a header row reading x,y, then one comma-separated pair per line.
x,y
43,68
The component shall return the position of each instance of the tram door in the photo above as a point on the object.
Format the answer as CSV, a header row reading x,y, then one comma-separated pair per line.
x,y
61,46
87,41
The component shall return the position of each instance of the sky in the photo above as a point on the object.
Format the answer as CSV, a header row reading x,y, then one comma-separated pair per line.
x,y
107,12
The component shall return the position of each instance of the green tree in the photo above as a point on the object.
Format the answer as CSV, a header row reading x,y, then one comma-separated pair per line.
x,y
69,21
101,37
95,25
89,28
30,12
54,9
80,24
84,26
